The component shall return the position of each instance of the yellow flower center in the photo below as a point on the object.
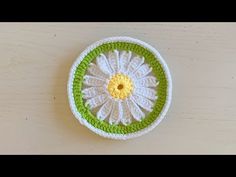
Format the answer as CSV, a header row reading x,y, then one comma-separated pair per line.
x,y
120,86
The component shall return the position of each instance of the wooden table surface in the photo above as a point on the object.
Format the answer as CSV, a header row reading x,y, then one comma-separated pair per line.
x,y
35,59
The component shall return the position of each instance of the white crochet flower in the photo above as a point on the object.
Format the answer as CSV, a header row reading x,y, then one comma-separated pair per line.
x,y
119,86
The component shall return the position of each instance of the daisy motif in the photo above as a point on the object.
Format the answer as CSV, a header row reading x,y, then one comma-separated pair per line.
x,y
120,86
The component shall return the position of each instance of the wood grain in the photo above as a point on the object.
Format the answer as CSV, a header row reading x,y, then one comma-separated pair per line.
x,y
35,117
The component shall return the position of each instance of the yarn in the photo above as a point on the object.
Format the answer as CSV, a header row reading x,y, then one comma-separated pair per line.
x,y
158,100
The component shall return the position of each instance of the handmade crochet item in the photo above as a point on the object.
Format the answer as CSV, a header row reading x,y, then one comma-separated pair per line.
x,y
120,88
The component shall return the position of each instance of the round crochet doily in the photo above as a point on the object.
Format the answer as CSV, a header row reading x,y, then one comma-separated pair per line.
x,y
120,88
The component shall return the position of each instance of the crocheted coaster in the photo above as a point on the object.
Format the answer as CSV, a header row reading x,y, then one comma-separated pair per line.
x,y
120,88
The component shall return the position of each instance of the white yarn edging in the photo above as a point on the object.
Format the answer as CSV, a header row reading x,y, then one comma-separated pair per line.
x,y
113,135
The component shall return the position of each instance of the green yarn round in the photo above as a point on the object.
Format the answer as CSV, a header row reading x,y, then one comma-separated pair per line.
x,y
156,69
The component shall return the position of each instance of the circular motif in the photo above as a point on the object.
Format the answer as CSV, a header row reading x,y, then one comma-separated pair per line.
x,y
120,88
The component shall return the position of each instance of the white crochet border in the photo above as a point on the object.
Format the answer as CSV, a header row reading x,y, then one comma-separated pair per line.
x,y
113,135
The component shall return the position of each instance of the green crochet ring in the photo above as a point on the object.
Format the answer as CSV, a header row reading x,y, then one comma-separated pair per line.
x,y
87,117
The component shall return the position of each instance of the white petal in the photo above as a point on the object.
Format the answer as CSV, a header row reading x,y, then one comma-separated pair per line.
x,y
113,59
105,110
134,64
93,81
126,117
103,64
96,101
116,113
92,92
135,110
143,102
124,60
142,71
148,81
146,92
94,70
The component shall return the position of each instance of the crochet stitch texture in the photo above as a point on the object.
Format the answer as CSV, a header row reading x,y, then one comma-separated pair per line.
x,y
127,81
